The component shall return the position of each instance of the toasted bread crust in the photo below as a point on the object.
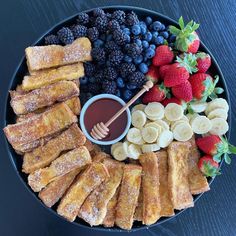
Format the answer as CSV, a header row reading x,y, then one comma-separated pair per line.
x,y
138,215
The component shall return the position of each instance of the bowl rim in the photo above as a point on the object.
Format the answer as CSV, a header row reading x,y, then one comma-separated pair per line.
x,y
91,101
63,21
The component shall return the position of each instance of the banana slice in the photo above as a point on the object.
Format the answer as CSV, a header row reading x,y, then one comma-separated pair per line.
x,y
183,132
191,116
138,119
163,124
150,148
174,124
139,107
200,125
217,103
198,106
134,136
173,112
219,126
165,138
149,134
120,153
218,113
134,151
154,110
152,118
114,146
155,125
166,121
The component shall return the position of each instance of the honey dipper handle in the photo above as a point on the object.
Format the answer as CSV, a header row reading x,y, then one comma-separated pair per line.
x,y
145,88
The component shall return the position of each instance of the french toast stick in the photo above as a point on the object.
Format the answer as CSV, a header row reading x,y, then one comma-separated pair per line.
x,y
68,72
74,159
42,57
52,193
128,196
32,130
166,204
43,97
42,156
197,181
91,178
178,181
138,215
94,209
150,185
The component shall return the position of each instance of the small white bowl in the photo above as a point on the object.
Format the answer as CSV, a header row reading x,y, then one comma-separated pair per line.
x,y
92,100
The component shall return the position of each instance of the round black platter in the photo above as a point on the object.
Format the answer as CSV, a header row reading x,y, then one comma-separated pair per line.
x,y
22,70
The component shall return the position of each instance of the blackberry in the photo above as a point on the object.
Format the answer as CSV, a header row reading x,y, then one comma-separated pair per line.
x,y
133,50
99,55
108,15
101,24
120,37
94,88
109,86
131,19
113,25
137,78
99,76
83,18
111,46
51,39
119,16
79,31
89,69
65,35
110,73
83,88
126,69
98,12
93,33
116,57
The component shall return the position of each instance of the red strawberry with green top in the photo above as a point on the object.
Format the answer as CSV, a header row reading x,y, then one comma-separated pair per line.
x,y
166,101
203,86
183,91
153,74
162,71
208,166
163,56
216,146
203,61
156,94
187,39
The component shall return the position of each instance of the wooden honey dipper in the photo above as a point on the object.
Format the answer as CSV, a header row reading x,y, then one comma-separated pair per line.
x,y
100,130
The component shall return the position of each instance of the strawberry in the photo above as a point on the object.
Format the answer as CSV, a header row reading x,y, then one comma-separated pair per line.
x,y
163,56
156,94
208,166
216,146
187,39
203,61
203,86
166,101
153,74
183,91
162,71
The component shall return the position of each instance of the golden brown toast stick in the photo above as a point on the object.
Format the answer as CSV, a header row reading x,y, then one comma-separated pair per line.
x,y
48,123
178,182
150,184
89,145
68,72
42,156
43,97
197,181
100,156
110,217
166,204
128,196
138,215
94,209
91,178
42,57
55,190
77,158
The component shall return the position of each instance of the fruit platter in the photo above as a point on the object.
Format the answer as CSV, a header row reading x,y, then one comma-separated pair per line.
x,y
165,108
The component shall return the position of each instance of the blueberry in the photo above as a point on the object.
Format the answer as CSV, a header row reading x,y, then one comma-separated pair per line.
x,y
120,82
150,53
148,36
127,59
145,44
154,34
172,38
98,43
136,30
131,86
92,80
148,20
127,38
103,37
138,59
109,37
143,68
156,25
83,80
138,41
118,93
143,27
126,31
159,40
163,27
152,46
127,94
164,34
